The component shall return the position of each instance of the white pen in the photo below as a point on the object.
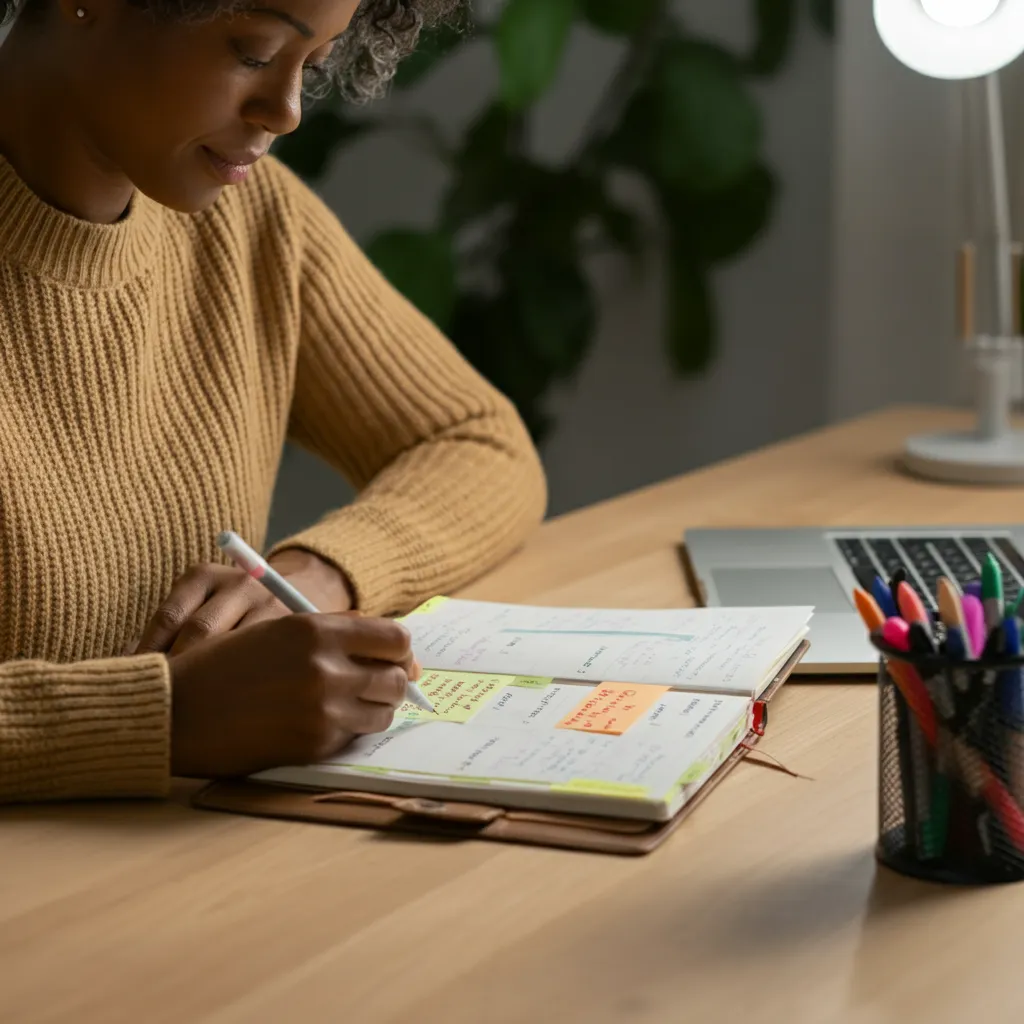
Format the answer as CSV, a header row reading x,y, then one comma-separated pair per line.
x,y
260,570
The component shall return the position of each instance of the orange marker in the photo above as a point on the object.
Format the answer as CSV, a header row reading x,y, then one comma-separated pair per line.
x,y
869,610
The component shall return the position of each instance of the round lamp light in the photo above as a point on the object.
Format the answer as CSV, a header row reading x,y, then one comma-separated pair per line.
x,y
952,38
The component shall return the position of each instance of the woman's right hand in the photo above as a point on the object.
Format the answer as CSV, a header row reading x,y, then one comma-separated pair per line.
x,y
287,691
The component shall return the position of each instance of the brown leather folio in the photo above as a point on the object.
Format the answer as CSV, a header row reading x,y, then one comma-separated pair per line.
x,y
473,820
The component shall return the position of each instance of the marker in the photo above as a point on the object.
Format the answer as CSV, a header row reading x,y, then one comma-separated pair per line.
x,y
260,570
931,806
951,610
921,641
898,577
974,617
896,633
974,589
956,646
912,607
1010,690
1011,699
883,596
869,609
992,591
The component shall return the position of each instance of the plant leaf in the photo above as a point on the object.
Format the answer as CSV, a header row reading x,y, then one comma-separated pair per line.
x,y
619,17
622,227
708,126
434,45
553,204
487,331
555,308
309,149
485,171
825,15
715,228
631,142
531,39
421,265
692,330
776,22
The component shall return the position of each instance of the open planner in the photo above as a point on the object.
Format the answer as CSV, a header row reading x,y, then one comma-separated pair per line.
x,y
563,715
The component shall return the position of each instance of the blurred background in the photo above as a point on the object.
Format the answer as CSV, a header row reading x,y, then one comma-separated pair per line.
x,y
768,246
671,230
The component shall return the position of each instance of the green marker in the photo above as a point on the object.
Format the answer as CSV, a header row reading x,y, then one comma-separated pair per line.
x,y
992,592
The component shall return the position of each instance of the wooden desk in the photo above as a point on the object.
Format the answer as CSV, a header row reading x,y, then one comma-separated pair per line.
x,y
766,906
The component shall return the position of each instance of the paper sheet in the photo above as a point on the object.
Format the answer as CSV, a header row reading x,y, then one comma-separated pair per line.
x,y
724,650
513,737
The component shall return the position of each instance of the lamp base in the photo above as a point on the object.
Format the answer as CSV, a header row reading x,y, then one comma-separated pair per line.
x,y
966,458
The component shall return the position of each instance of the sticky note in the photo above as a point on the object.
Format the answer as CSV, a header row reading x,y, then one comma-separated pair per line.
x,y
611,708
455,696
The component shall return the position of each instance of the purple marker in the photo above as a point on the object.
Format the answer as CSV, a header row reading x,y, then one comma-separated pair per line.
x,y
974,589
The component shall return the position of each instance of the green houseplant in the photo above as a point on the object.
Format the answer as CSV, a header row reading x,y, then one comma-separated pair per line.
x,y
679,114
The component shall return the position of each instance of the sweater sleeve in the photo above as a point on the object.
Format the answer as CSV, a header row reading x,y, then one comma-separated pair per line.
x,y
449,482
88,729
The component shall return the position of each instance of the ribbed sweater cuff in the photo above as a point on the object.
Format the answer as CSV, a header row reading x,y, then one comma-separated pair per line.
x,y
378,566
89,729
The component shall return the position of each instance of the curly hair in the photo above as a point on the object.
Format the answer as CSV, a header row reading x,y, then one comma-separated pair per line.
x,y
381,34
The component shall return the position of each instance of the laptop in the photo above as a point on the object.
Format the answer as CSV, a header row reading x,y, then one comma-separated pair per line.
x,y
755,568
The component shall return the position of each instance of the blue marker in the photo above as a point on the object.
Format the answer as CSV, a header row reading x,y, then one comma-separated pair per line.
x,y
1011,694
883,595
955,646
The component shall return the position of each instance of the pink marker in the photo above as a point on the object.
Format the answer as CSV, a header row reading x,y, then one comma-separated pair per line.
x,y
974,618
896,633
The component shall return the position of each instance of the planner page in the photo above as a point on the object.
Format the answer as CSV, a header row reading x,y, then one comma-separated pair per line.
x,y
642,744
718,650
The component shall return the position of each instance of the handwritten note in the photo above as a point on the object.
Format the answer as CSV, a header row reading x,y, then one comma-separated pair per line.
x,y
455,696
611,708
722,650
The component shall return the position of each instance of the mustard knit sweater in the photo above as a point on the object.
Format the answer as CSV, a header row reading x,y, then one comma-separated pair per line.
x,y
150,372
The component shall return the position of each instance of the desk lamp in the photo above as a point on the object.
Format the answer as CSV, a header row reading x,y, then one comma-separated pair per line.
x,y
964,39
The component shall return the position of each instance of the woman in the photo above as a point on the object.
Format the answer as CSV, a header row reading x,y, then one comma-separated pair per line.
x,y
173,304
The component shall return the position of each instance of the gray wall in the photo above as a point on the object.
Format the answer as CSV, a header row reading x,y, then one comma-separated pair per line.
x,y
626,422
910,186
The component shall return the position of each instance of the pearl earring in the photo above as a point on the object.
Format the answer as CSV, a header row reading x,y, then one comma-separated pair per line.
x,y
80,12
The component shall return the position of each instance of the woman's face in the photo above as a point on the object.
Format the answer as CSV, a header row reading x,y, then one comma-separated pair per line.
x,y
183,110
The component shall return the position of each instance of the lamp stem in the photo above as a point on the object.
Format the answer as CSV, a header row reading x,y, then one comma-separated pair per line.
x,y
1001,206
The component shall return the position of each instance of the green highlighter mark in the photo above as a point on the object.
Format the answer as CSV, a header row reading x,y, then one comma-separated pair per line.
x,y
531,682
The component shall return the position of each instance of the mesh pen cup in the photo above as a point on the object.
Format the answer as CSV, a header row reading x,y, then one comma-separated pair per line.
x,y
951,768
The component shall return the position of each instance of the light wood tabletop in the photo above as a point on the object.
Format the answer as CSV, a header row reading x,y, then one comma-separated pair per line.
x,y
767,905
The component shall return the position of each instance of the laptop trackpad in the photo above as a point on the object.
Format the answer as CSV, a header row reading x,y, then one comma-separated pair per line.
x,y
757,588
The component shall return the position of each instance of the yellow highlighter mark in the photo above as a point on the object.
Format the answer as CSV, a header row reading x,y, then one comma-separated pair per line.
x,y
602,787
611,708
428,606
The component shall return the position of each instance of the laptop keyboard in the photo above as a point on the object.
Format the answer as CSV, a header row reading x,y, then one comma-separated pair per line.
x,y
926,559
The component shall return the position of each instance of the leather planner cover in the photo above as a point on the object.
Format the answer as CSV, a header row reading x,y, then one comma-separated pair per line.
x,y
472,820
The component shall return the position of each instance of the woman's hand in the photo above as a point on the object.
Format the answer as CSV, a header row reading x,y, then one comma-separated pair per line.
x,y
211,599
286,692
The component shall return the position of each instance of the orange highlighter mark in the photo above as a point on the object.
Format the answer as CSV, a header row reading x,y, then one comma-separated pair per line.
x,y
611,708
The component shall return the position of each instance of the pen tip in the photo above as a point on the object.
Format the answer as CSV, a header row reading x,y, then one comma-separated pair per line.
x,y
223,538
